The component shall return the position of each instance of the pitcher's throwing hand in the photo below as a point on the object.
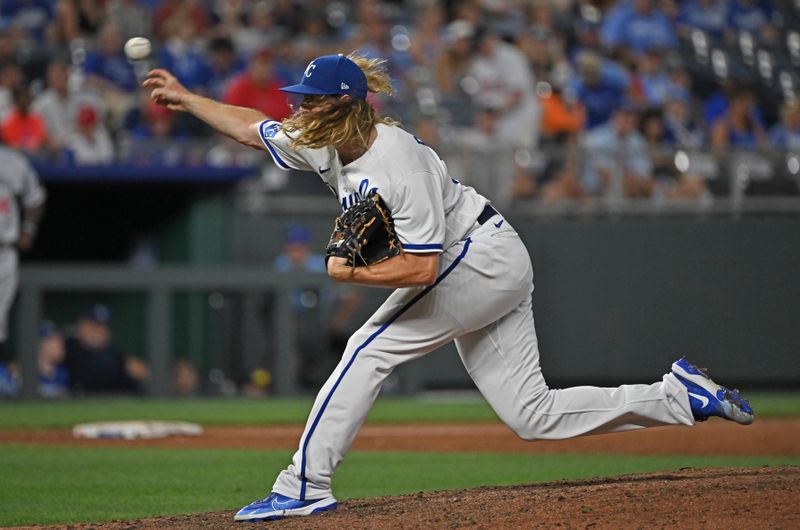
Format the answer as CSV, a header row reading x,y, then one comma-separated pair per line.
x,y
166,89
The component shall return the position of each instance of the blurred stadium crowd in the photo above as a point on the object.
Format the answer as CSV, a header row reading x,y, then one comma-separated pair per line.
x,y
548,100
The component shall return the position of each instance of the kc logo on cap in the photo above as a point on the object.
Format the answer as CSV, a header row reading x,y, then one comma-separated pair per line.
x,y
330,75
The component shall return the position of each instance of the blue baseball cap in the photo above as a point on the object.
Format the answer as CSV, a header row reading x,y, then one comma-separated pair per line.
x,y
47,329
329,75
98,313
297,234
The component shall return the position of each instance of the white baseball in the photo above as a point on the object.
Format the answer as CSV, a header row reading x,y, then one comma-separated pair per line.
x,y
137,48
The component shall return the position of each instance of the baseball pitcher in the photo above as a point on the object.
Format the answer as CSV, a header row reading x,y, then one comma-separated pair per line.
x,y
459,270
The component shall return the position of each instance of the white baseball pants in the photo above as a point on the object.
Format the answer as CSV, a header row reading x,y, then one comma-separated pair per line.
x,y
482,300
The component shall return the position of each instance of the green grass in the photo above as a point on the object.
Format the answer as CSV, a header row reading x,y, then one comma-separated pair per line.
x,y
42,485
271,411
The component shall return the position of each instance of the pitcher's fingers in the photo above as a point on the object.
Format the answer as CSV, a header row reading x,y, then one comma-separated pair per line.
x,y
158,72
153,82
159,97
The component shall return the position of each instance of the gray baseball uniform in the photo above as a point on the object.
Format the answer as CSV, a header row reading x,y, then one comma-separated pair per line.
x,y
18,179
481,299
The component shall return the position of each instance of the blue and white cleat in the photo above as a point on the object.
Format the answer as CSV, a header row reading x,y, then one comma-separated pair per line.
x,y
710,399
276,506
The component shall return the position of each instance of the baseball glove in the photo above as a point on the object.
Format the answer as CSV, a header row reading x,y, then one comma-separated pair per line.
x,y
364,234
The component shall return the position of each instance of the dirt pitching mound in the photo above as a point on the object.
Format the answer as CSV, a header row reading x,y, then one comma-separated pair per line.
x,y
744,498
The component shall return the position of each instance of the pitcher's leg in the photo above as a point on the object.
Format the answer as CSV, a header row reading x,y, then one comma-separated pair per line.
x,y
409,324
340,408
503,360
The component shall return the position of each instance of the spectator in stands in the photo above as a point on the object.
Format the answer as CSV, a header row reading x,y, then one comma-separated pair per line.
x,y
426,42
375,39
318,312
616,160
110,73
545,53
185,379
584,32
297,255
451,71
488,162
314,39
158,124
133,17
717,103
166,10
10,78
653,80
505,83
259,32
709,16
562,116
32,18
154,137
23,129
563,119
601,86
180,54
753,16
90,143
672,183
643,25
257,88
224,64
786,134
58,104
682,128
95,363
9,379
738,125
54,379
79,19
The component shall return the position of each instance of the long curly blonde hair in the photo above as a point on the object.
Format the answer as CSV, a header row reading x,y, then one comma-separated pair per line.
x,y
347,121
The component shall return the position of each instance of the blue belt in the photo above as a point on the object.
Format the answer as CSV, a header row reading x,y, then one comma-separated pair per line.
x,y
487,213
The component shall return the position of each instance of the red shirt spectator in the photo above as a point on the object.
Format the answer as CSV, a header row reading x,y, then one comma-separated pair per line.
x,y
257,88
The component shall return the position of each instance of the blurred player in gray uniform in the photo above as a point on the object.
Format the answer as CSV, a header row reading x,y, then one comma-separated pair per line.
x,y
464,276
19,184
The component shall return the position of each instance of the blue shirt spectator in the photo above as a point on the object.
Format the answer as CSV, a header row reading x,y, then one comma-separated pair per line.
x,y
614,19
9,381
32,16
750,15
653,80
180,56
224,64
54,378
710,16
188,65
786,134
601,86
115,69
717,105
108,61
642,27
616,157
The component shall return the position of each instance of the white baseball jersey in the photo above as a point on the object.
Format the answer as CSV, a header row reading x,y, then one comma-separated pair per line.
x,y
17,179
431,211
481,299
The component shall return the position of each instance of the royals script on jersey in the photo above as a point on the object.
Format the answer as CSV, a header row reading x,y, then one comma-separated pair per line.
x,y
431,210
